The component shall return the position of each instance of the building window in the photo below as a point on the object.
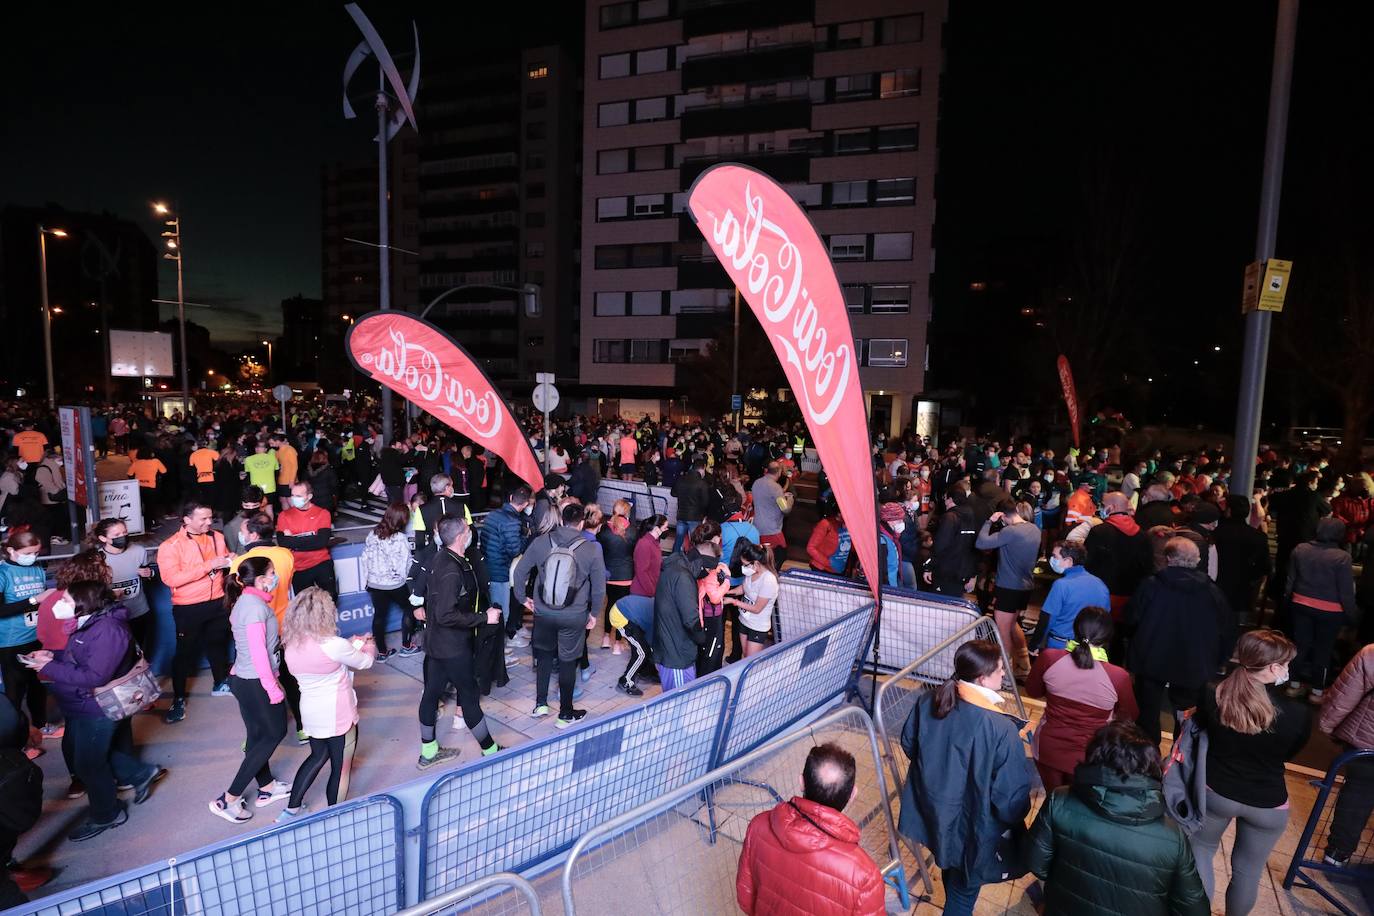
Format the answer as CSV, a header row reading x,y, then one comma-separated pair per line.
x,y
651,109
853,141
807,195
887,351
615,65
612,257
859,86
891,299
848,193
649,205
609,351
609,304
536,100
646,351
848,247
896,83
897,138
854,296
649,10
898,29
534,161
853,35
680,351
534,220
537,71
612,114
536,340
654,60
647,302
612,161
892,246
536,130
610,208
895,191
534,190
650,158
534,249
654,255
698,301
617,14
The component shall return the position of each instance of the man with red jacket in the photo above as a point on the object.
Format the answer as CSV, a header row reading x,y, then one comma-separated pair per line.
x,y
804,856
305,529
1119,552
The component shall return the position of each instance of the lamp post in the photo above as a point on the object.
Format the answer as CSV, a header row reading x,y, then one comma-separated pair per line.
x,y
268,345
43,234
173,253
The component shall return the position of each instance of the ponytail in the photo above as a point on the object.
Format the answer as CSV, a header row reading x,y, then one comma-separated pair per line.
x,y
648,523
1092,629
1243,705
974,660
244,576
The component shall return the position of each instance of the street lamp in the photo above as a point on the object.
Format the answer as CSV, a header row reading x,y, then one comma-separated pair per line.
x,y
173,253
43,234
268,345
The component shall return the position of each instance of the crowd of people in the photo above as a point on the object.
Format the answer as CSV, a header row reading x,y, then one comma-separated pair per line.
x,y
1155,586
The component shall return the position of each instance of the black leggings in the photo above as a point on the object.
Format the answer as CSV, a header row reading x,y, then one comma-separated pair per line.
x,y
458,671
202,628
23,684
265,723
321,749
383,600
613,594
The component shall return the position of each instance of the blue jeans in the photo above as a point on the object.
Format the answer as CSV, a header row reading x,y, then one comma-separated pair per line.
x,y
960,897
103,756
683,530
500,596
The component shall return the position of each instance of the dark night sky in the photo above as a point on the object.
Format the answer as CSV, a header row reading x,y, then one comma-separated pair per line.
x,y
231,113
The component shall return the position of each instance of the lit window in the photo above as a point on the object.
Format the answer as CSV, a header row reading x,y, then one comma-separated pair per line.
x,y
895,83
538,72
890,352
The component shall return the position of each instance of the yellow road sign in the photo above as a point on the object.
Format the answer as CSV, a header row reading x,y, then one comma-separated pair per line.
x,y
1275,285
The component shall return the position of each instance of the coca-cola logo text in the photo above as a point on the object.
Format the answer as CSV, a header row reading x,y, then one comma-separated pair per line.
x,y
781,281
419,369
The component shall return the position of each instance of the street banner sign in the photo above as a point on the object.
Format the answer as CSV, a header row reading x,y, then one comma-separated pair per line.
x,y
772,253
421,363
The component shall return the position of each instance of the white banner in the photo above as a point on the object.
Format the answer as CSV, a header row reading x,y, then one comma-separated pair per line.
x,y
120,499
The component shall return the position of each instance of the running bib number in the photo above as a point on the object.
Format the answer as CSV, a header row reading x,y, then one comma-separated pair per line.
x,y
31,619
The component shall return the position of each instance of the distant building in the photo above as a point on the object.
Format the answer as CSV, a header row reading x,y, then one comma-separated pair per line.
x,y
836,99
103,275
299,354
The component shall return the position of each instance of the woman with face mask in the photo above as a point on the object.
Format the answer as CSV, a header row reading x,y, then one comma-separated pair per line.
x,y
99,649
128,566
22,584
253,681
760,592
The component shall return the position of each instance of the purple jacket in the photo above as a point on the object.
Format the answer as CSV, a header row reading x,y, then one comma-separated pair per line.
x,y
95,655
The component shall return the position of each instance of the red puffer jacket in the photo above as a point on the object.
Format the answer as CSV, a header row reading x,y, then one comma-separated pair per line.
x,y
794,867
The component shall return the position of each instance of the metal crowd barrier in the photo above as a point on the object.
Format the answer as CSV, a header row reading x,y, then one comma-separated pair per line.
x,y
502,894
912,622
531,802
679,853
781,685
898,694
1350,801
347,859
645,500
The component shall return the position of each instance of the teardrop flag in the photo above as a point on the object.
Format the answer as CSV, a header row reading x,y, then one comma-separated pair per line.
x,y
425,366
771,251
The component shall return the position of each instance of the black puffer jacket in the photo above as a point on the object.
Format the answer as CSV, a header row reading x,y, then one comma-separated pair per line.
x,y
1104,846
693,494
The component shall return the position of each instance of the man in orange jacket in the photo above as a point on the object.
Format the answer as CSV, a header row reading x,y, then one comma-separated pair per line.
x,y
192,563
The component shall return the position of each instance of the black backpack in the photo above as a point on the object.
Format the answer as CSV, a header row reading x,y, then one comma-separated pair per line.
x,y
21,791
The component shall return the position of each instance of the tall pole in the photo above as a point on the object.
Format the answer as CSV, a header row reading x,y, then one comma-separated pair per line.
x,y
1255,352
383,232
47,312
734,369
181,323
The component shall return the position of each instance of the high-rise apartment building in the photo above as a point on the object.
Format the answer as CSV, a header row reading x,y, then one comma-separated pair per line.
x,y
835,99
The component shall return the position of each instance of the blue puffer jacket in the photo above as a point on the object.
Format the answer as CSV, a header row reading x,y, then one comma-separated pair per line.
x,y
96,654
503,539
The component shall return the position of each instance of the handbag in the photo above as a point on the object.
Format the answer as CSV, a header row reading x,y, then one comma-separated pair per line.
x,y
130,693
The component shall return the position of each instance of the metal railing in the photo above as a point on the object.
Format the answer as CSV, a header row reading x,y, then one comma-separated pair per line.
x,y
501,894
700,827
1342,806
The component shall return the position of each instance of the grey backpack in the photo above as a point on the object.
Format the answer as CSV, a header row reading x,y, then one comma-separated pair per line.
x,y
558,575
1185,778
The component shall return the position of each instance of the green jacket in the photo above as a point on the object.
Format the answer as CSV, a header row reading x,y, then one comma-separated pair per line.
x,y
1104,846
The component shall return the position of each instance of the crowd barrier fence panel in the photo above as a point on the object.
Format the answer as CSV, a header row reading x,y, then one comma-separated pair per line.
x,y
531,802
898,694
784,683
677,855
502,894
912,621
645,500
347,859
1307,863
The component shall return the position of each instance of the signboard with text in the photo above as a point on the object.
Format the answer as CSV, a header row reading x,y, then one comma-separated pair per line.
x,y
120,499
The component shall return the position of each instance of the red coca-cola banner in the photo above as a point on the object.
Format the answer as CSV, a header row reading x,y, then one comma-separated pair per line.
x,y
772,253
1070,396
428,368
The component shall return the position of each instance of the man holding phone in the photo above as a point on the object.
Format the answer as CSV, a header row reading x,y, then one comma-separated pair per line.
x,y
192,564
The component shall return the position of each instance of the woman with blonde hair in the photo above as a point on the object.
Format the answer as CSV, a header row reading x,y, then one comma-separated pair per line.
x,y
324,662
1252,731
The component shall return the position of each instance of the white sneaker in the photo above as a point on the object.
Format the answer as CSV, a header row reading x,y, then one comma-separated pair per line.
x,y
274,791
519,640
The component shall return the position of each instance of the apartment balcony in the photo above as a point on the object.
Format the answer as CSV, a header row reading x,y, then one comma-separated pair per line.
x,y
753,66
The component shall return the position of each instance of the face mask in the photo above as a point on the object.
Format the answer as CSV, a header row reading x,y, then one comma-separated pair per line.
x,y
23,465
1102,512
528,510
748,570
924,473
120,542
272,583
1057,565
26,559
899,527
64,609
1281,679
1049,478
299,502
